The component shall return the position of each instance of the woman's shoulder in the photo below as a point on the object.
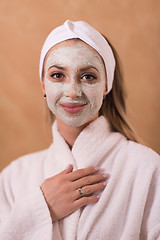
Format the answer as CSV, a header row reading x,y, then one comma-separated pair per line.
x,y
31,160
142,153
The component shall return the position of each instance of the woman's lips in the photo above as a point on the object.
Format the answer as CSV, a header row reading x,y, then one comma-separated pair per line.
x,y
73,107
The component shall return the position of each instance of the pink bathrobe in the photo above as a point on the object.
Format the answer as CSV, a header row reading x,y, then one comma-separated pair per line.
x,y
129,208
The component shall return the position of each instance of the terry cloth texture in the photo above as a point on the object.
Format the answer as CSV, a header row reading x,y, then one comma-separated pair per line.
x,y
129,207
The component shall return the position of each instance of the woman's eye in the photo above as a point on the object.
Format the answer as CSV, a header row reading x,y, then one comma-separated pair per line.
x,y
57,76
88,78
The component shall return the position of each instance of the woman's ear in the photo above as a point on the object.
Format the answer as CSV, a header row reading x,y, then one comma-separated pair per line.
x,y
43,87
104,93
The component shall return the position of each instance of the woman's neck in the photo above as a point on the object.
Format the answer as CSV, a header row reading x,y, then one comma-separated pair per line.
x,y
69,133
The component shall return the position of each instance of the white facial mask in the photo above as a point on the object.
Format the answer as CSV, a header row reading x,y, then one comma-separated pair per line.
x,y
72,90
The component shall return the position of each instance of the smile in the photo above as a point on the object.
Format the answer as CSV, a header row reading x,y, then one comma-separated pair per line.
x,y
73,107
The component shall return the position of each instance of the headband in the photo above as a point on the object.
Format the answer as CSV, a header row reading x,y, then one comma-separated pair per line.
x,y
89,35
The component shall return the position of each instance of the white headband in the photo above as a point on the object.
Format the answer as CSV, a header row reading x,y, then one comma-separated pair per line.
x,y
89,35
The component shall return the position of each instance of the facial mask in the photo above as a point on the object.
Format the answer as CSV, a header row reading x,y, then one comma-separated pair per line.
x,y
71,99
86,33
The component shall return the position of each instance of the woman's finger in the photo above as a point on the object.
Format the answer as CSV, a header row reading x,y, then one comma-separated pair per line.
x,y
85,201
80,173
90,189
68,169
90,180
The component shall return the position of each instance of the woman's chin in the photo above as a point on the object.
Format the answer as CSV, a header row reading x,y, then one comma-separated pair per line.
x,y
77,120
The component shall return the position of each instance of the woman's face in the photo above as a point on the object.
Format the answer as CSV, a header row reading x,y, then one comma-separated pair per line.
x,y
74,82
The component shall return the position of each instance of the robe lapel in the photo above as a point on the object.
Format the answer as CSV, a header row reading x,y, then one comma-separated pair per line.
x,y
93,144
60,157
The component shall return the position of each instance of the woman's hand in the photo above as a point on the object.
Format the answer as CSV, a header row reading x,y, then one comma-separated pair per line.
x,y
68,191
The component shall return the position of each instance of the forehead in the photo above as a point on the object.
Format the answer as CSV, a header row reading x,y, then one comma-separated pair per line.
x,y
73,42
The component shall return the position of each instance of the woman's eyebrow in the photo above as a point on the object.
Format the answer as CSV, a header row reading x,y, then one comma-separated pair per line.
x,y
88,67
57,66
81,69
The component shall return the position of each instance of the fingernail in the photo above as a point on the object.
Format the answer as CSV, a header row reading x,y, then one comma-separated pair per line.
x,y
105,183
106,175
68,166
97,168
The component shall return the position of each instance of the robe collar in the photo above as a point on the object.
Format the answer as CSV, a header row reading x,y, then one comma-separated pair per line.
x,y
89,148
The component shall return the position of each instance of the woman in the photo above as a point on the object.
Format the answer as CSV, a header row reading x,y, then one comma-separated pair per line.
x,y
94,181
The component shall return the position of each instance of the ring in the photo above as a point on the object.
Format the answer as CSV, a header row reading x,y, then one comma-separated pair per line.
x,y
80,191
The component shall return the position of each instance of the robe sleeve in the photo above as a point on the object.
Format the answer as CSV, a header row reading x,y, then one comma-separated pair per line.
x,y
151,217
26,218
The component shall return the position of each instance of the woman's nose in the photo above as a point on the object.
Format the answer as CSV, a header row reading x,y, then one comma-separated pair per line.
x,y
73,90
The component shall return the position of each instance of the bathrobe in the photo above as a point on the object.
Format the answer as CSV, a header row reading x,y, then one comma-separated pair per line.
x,y
128,209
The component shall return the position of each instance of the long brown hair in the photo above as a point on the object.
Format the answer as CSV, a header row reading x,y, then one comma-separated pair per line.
x,y
114,105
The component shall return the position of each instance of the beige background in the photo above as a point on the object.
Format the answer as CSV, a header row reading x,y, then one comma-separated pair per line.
x,y
132,26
